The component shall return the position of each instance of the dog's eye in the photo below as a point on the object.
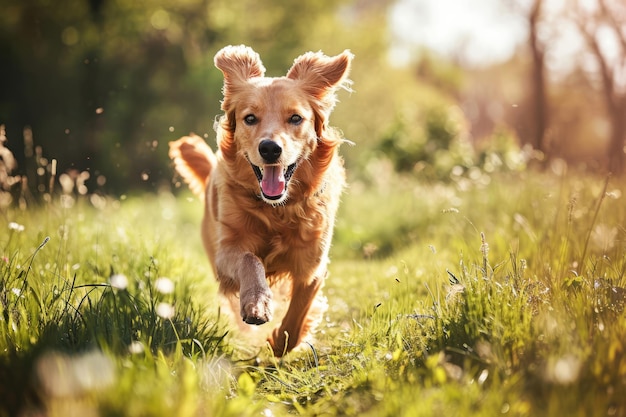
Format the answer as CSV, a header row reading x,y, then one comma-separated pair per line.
x,y
295,119
250,119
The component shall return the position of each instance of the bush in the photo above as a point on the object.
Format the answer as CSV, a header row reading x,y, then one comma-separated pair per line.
x,y
431,142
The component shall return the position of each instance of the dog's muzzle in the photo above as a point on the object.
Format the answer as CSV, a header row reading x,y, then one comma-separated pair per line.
x,y
273,179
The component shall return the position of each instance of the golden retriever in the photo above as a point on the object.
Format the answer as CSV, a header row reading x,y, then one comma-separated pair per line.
x,y
272,189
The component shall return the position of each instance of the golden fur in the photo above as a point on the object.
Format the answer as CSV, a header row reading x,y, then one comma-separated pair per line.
x,y
272,189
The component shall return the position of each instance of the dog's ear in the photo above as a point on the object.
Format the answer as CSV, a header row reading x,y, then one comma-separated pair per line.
x,y
320,75
238,64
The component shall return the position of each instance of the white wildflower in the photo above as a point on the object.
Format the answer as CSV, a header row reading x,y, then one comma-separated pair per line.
x,y
136,347
564,370
164,285
16,227
165,310
118,281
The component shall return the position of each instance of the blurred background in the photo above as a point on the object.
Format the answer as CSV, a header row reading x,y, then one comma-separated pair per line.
x,y
441,87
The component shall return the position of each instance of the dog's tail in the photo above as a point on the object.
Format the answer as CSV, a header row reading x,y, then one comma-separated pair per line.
x,y
193,160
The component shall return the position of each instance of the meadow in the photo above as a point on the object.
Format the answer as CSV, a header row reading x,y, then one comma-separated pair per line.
x,y
486,295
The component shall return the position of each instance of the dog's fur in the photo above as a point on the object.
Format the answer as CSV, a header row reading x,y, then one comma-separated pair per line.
x,y
272,189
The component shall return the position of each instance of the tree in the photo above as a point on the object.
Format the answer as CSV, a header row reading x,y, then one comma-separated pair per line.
x,y
539,100
105,84
603,27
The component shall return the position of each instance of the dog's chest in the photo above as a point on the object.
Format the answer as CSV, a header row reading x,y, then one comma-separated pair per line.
x,y
287,230
293,237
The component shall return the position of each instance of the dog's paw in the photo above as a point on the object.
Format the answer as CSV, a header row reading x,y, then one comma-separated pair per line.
x,y
281,343
277,341
256,306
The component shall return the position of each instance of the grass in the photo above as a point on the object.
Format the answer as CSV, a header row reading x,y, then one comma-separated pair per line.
x,y
503,295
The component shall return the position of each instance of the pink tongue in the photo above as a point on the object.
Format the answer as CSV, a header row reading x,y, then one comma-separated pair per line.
x,y
273,182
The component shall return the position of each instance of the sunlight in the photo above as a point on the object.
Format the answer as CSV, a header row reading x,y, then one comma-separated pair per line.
x,y
475,33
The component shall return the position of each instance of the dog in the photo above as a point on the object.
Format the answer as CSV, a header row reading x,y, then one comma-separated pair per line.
x,y
272,189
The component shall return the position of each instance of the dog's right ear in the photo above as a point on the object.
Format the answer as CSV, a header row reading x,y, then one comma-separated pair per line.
x,y
238,64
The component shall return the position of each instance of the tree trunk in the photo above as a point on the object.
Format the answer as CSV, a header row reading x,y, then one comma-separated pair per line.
x,y
616,154
539,100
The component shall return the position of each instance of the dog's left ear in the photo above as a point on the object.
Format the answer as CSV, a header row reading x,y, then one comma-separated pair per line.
x,y
320,75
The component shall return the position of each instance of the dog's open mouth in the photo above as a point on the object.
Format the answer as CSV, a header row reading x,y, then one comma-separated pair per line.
x,y
273,179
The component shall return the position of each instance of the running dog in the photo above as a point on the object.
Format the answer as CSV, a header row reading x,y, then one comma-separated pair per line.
x,y
272,189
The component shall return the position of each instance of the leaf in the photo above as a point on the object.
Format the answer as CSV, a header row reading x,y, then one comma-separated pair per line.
x,y
246,385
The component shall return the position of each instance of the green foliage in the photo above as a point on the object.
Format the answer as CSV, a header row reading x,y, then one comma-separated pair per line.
x,y
95,284
106,84
431,143
131,76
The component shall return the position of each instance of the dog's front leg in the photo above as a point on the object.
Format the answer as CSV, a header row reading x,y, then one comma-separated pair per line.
x,y
296,323
244,270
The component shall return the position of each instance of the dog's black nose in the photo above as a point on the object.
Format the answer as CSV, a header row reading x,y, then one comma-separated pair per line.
x,y
270,151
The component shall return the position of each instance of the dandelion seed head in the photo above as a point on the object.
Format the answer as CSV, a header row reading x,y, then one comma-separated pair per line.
x,y
165,310
164,285
16,227
614,194
118,281
136,347
564,370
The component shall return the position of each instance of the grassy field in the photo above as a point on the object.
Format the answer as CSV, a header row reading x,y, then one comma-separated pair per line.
x,y
487,296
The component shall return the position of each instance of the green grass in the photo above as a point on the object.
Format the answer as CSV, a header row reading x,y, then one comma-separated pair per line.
x,y
503,295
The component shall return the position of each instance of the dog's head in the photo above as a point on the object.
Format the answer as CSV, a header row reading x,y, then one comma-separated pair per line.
x,y
277,124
